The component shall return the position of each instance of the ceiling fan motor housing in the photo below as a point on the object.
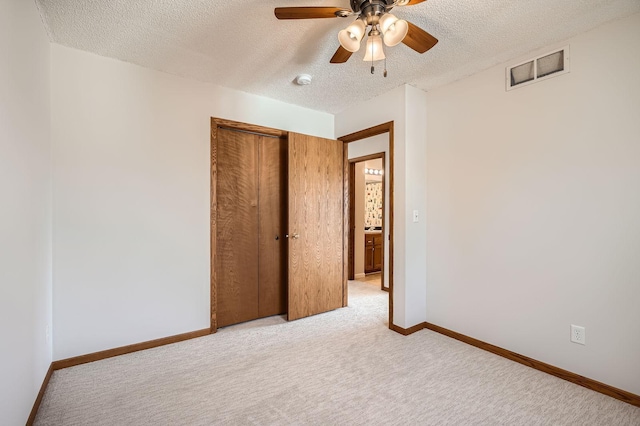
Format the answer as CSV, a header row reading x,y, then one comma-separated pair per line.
x,y
370,8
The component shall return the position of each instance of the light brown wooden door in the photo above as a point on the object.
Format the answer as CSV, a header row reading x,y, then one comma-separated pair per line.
x,y
272,207
237,230
316,199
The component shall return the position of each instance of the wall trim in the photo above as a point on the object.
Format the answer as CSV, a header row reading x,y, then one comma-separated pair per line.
x,y
122,350
577,379
36,404
407,331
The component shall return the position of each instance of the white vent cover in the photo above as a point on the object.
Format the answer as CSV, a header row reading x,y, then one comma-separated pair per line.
x,y
539,68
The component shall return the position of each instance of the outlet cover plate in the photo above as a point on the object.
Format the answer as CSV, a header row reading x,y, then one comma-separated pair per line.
x,y
578,334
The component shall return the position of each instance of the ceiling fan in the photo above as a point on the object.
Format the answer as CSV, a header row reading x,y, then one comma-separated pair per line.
x,y
369,13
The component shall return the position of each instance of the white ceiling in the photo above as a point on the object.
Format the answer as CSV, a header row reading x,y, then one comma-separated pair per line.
x,y
240,44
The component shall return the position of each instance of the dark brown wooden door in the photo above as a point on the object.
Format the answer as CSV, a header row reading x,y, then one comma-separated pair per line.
x,y
272,203
316,201
237,230
368,253
377,252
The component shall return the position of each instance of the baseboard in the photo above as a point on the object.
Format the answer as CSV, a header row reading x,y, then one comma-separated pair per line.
x,y
407,331
36,404
586,382
359,276
109,353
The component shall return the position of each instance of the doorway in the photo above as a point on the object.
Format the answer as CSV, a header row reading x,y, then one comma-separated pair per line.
x,y
387,130
367,218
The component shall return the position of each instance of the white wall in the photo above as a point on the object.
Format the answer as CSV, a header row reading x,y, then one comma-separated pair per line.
x,y
416,200
533,206
131,197
391,107
361,148
25,210
405,106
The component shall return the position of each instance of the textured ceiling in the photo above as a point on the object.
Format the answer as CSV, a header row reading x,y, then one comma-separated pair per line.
x,y
240,44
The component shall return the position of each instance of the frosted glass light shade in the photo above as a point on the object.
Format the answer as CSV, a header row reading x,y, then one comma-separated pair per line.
x,y
351,36
374,49
393,29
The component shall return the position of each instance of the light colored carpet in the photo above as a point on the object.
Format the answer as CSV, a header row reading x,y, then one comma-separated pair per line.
x,y
342,367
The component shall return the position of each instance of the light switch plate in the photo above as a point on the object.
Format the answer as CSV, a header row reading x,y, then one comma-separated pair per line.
x,y
415,216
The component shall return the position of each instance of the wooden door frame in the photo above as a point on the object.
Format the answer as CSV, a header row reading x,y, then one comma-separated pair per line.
x,y
242,127
347,139
352,212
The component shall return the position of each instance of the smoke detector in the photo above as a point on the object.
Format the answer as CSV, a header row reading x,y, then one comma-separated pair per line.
x,y
303,80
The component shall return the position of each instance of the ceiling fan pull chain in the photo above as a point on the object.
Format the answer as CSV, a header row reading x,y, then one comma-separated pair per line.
x,y
385,68
372,68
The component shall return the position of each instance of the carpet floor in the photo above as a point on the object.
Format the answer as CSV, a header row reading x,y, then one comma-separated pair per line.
x,y
342,367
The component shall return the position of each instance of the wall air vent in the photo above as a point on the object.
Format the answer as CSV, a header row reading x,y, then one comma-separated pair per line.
x,y
539,68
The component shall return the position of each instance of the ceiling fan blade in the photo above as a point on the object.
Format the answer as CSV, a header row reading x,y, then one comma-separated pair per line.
x,y
412,2
341,56
418,39
308,12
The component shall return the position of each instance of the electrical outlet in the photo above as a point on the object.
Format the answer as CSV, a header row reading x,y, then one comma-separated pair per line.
x,y
578,334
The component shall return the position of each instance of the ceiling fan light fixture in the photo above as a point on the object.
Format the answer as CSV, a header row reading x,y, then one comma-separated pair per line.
x,y
394,30
351,36
374,51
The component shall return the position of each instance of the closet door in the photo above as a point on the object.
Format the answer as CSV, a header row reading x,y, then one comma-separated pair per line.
x,y
237,227
272,209
316,202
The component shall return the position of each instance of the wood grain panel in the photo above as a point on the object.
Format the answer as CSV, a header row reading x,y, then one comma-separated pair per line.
x,y
38,401
307,12
245,127
346,225
213,231
341,56
586,382
391,228
109,353
237,227
407,331
272,208
367,133
316,197
418,39
351,225
384,223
